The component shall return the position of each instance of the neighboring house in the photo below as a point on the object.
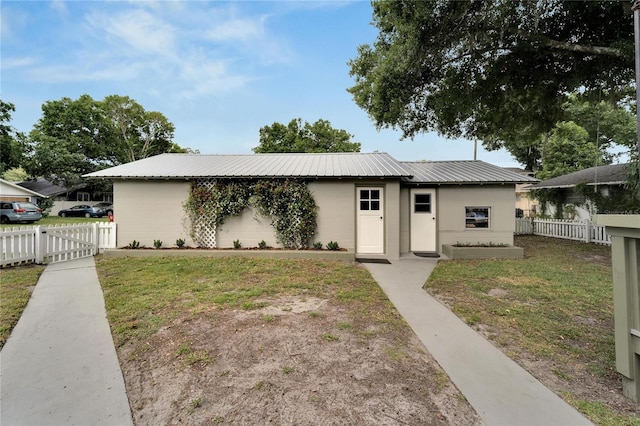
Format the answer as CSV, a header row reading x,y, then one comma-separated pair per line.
x,y
603,179
525,203
10,191
371,204
64,198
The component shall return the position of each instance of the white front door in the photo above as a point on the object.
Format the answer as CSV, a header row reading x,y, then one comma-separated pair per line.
x,y
423,220
370,220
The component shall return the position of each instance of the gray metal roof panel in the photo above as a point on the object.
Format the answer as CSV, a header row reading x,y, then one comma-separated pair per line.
x,y
167,166
461,172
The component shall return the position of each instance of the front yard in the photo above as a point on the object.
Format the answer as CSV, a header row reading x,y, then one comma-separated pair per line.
x,y
551,312
294,341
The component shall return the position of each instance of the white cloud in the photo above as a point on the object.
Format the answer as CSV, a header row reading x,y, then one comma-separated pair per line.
x,y
63,73
242,29
185,50
18,62
139,29
59,6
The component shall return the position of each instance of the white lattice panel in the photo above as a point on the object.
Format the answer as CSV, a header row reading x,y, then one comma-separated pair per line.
x,y
205,233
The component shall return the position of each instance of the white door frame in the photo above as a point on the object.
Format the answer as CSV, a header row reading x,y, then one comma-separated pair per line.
x,y
424,230
370,219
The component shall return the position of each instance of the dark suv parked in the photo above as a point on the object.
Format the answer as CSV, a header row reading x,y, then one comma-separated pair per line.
x,y
14,212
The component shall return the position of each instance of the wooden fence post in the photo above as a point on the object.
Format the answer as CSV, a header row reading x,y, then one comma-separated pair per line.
x,y
587,231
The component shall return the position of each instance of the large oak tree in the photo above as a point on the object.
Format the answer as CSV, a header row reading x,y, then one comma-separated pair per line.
x,y
78,136
499,70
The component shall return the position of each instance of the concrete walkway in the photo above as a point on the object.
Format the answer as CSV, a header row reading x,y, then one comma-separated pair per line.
x,y
59,367
501,392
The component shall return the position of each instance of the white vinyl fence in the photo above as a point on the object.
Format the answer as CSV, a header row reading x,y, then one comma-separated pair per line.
x,y
54,243
583,230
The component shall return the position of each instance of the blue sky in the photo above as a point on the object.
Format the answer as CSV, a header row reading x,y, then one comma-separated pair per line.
x,y
219,71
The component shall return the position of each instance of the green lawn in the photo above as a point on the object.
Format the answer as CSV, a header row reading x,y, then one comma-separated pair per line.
x,y
142,295
555,305
16,285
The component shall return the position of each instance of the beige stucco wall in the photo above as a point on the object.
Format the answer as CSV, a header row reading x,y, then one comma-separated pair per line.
x,y
405,220
250,228
150,210
452,201
392,220
336,215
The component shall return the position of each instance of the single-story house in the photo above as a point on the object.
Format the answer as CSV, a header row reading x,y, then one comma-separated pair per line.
x,y
63,197
10,191
602,179
369,203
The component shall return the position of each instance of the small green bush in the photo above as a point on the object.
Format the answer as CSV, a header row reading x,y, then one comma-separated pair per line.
x,y
237,244
333,245
179,242
262,245
134,244
157,243
317,245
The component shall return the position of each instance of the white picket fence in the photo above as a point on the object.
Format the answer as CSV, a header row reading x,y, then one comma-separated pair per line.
x,y
54,243
584,230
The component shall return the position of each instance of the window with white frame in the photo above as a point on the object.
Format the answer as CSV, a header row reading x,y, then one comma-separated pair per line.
x,y
83,196
422,203
477,217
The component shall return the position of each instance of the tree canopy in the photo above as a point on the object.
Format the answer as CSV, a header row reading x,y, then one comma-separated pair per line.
x,y
499,71
78,136
11,141
299,137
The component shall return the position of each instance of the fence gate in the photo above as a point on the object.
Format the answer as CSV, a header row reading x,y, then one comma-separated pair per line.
x,y
54,243
60,243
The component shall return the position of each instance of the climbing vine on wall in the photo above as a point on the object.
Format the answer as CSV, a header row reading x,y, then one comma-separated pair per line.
x,y
288,203
292,209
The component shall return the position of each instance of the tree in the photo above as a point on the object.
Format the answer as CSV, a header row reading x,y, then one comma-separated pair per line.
x,y
608,126
75,137
495,70
11,141
569,149
296,137
137,133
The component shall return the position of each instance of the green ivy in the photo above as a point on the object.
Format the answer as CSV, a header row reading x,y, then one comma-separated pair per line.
x,y
288,203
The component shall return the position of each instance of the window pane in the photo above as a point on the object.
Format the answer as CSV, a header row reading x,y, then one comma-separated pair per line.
x,y
364,205
364,194
477,217
422,203
375,194
375,205
423,198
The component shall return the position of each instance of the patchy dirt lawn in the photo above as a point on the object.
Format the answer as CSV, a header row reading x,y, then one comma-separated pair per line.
x,y
295,360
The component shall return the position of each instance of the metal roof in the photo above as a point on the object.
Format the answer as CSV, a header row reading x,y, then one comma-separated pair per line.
x,y
461,172
294,165
612,174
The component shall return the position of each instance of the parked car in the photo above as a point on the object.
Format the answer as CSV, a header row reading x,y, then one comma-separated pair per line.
x,y
106,206
15,212
476,220
82,210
